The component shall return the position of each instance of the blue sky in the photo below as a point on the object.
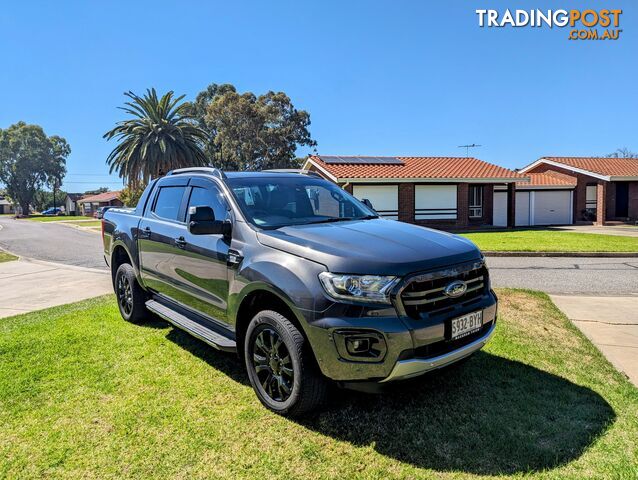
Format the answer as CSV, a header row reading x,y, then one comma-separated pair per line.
x,y
378,78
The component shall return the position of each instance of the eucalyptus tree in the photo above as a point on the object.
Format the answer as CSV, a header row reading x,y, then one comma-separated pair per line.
x,y
29,161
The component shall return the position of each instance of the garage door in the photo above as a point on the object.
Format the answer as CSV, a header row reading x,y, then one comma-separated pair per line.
x,y
523,201
522,209
435,202
499,212
384,198
552,207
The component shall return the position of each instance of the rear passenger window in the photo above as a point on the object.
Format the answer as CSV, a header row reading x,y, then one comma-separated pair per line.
x,y
208,197
168,202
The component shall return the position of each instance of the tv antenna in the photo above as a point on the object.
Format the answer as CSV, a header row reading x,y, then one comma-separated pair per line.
x,y
467,148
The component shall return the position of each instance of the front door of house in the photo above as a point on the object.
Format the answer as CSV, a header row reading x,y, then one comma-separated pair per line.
x,y
622,199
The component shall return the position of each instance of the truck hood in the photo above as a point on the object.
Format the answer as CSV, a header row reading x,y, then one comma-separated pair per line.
x,y
378,246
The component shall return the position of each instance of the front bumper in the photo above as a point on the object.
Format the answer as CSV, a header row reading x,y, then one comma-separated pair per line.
x,y
413,367
414,346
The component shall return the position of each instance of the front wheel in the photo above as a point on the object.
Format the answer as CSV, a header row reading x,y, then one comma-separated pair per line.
x,y
280,366
131,298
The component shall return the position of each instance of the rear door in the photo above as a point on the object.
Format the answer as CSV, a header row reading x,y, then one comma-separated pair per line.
x,y
161,225
200,265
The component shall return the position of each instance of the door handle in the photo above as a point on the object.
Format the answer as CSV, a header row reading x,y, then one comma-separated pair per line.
x,y
146,233
180,242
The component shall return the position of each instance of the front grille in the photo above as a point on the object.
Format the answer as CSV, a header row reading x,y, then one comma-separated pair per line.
x,y
424,293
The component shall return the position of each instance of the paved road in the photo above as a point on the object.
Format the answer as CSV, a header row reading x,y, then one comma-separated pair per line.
x,y
52,243
599,276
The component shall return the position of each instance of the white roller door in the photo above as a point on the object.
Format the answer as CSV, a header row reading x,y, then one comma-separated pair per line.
x,y
435,202
499,213
552,207
522,209
384,198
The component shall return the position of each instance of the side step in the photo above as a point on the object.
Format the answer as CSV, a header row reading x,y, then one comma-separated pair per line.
x,y
196,329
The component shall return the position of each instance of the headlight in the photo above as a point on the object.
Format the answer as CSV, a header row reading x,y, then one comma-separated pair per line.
x,y
362,288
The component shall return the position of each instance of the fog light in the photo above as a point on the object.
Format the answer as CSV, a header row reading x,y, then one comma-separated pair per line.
x,y
360,345
357,346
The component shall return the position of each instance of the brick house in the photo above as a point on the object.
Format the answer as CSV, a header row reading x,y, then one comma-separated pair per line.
x,y
605,188
89,204
444,192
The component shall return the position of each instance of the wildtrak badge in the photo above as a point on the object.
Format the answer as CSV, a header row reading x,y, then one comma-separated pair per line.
x,y
583,23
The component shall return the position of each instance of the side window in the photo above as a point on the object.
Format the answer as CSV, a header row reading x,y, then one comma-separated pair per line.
x,y
208,197
168,202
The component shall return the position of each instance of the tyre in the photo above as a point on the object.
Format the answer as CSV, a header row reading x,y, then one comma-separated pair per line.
x,y
131,298
281,367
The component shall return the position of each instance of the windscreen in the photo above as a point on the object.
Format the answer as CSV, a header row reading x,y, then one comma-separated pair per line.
x,y
271,202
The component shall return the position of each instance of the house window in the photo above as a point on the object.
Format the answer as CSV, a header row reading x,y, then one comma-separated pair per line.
x,y
590,198
476,201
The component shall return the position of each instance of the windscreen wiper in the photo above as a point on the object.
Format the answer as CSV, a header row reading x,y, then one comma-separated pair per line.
x,y
333,219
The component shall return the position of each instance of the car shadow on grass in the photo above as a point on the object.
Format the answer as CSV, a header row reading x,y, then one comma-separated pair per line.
x,y
488,415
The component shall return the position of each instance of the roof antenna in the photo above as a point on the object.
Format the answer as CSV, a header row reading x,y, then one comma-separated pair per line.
x,y
467,148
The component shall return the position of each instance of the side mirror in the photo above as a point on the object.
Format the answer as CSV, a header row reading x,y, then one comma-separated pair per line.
x,y
368,203
202,222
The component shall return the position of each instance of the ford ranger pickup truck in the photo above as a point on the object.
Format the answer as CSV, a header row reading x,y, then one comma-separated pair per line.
x,y
303,281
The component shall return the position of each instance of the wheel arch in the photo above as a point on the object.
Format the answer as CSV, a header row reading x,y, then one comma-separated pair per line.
x,y
264,297
120,254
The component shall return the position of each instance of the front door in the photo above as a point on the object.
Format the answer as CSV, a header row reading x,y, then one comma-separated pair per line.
x,y
622,199
200,265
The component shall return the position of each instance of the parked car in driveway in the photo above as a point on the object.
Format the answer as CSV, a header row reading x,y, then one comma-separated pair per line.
x,y
99,213
53,211
306,283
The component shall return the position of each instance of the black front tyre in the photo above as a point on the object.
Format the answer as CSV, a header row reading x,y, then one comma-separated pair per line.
x,y
280,366
131,298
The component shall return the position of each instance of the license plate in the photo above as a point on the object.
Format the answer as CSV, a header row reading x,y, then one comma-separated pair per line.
x,y
467,324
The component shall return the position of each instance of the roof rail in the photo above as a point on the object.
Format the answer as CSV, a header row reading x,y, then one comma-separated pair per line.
x,y
299,171
216,172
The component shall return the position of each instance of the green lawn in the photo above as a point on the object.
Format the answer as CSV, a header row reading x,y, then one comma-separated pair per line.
x,y
84,394
7,257
52,218
551,241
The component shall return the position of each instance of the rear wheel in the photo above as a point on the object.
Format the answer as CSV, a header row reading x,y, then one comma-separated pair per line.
x,y
131,298
280,366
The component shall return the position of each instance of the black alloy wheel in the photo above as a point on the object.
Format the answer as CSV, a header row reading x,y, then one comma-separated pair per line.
x,y
273,365
124,295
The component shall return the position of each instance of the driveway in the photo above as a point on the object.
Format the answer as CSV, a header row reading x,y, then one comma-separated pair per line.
x,y
51,243
611,323
621,230
29,285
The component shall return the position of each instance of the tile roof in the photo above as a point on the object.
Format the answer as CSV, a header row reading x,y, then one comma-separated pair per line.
x,y
452,168
547,179
618,167
101,197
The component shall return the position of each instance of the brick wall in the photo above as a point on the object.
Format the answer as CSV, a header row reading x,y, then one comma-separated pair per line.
x,y
601,200
406,202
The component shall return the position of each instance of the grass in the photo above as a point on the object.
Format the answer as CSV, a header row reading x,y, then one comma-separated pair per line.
x,y
551,241
7,257
51,218
84,394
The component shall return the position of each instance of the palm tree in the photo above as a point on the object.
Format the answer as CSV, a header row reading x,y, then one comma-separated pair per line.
x,y
161,136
